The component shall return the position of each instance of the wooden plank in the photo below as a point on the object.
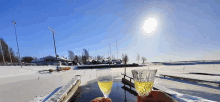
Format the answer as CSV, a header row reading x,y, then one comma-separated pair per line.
x,y
127,76
204,73
69,94
125,81
189,79
76,95
64,94
106,66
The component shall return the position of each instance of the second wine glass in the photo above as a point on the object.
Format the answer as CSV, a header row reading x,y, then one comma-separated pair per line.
x,y
105,81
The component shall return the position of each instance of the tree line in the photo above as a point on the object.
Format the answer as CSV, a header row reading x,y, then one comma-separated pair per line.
x,y
7,52
85,57
9,55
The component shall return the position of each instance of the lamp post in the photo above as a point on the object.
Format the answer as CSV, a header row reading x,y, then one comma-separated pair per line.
x,y
17,41
54,43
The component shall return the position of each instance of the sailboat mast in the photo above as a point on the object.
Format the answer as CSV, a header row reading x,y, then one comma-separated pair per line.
x,y
117,48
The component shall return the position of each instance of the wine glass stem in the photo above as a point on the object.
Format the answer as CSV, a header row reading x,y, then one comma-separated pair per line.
x,y
106,96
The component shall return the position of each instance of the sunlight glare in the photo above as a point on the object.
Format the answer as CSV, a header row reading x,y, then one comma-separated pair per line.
x,y
150,25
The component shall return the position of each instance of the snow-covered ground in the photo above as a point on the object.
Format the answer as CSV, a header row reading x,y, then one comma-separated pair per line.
x,y
22,84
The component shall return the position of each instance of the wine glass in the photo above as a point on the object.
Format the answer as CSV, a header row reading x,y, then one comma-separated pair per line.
x,y
105,81
143,81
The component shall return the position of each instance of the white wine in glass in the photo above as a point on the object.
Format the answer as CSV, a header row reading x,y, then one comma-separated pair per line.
x,y
105,81
143,81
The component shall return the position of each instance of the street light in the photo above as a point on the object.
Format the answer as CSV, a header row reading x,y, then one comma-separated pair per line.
x,y
54,43
17,42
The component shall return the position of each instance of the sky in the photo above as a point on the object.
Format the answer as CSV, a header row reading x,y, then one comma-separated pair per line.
x,y
186,29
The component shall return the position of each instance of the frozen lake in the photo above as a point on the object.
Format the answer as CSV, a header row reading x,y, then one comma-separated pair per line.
x,y
23,84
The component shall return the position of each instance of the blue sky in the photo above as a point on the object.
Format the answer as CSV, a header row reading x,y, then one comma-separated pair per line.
x,y
186,30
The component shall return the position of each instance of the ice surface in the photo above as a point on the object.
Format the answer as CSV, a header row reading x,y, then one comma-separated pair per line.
x,y
14,80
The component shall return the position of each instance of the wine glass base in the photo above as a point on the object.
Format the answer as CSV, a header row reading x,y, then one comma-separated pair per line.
x,y
106,96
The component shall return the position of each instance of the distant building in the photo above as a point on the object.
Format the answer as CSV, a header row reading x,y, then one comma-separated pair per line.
x,y
51,60
119,61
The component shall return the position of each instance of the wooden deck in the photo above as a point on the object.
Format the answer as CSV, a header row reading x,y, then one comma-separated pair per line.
x,y
107,66
64,93
204,73
190,79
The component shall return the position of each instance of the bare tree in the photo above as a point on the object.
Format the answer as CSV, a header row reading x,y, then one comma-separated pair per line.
x,y
79,59
8,53
76,59
84,59
98,57
144,59
85,54
125,60
138,58
71,55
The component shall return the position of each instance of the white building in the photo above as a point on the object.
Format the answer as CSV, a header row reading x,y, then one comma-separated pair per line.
x,y
50,60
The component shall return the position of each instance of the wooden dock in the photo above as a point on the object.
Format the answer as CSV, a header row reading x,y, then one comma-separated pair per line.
x,y
190,79
64,93
107,66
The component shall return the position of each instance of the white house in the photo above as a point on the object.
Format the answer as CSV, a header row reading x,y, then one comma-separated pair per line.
x,y
50,60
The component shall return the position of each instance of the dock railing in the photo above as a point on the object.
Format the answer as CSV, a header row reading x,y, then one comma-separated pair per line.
x,y
65,92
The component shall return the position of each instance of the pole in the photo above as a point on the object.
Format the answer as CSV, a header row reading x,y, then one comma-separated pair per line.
x,y
117,48
88,54
55,48
17,42
9,54
110,51
2,52
54,44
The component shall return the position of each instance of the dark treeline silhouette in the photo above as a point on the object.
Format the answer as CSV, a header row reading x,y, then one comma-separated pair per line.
x,y
80,59
5,49
85,56
27,59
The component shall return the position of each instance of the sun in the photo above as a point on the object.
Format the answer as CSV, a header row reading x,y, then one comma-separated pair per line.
x,y
150,25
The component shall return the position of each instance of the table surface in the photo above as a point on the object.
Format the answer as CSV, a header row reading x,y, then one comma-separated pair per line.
x,y
91,91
